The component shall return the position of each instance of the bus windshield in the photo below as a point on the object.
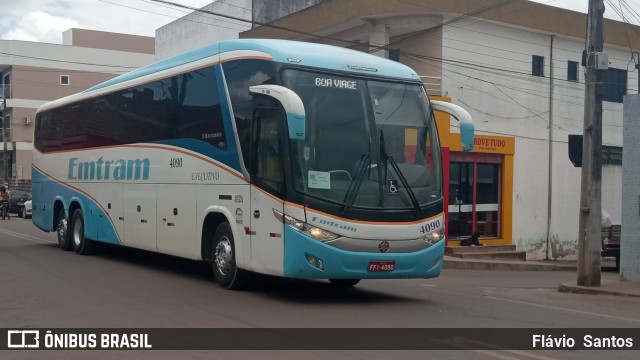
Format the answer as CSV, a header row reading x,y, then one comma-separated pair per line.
x,y
369,143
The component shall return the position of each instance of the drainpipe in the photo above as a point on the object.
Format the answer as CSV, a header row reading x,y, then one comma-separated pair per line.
x,y
550,179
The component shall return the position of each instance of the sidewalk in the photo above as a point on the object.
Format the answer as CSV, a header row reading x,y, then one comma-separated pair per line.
x,y
610,280
610,284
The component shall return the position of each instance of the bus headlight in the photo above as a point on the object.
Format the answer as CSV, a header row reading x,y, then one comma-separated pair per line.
x,y
435,236
303,227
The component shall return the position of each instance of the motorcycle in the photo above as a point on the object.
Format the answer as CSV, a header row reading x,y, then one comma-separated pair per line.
x,y
4,205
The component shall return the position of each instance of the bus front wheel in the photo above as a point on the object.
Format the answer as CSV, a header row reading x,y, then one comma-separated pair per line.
x,y
64,237
223,259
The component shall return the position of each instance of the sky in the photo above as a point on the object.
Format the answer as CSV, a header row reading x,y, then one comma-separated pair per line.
x,y
45,20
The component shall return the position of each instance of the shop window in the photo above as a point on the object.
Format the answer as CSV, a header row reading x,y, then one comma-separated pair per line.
x,y
616,85
6,86
572,70
394,54
474,195
537,65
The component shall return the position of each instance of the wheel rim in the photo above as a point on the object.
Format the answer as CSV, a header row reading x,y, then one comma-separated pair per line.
x,y
62,229
77,232
223,256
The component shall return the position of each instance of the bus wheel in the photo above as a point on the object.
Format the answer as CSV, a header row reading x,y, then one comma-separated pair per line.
x,y
81,245
344,283
64,237
223,259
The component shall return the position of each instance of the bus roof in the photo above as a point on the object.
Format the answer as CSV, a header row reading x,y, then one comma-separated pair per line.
x,y
285,51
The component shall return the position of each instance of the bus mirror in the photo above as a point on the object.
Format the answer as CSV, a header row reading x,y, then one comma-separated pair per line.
x,y
467,128
292,105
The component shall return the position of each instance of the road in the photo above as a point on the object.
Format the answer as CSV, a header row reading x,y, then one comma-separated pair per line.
x,y
42,286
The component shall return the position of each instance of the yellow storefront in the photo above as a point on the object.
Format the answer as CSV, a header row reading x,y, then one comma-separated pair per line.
x,y
478,185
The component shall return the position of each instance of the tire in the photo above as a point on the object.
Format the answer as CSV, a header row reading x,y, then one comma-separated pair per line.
x,y
20,212
23,213
81,245
618,263
223,260
64,237
344,283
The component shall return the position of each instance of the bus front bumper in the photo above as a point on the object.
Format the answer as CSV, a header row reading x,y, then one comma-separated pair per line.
x,y
307,258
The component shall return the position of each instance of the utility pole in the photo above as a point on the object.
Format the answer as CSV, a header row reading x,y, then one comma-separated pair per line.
x,y
636,58
4,133
590,226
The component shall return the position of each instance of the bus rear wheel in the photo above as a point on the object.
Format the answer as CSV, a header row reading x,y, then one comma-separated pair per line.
x,y
81,245
344,283
223,259
64,237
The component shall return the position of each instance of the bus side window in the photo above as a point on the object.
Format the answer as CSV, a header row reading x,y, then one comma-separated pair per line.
x,y
239,76
49,126
268,164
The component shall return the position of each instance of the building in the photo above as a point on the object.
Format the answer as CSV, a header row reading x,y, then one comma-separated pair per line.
x,y
33,73
203,27
516,66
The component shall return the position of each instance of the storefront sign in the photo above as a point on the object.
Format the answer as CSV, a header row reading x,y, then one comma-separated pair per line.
x,y
486,144
489,144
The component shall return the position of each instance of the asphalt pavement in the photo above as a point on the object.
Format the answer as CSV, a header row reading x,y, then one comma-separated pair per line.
x,y
42,286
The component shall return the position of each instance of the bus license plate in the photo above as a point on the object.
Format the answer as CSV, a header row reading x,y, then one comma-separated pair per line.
x,y
378,265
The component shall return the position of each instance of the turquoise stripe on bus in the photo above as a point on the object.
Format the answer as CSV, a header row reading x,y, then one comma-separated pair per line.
x,y
284,51
166,64
341,264
227,157
96,222
323,56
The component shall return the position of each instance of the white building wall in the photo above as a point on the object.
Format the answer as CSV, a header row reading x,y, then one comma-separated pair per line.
x,y
65,57
199,29
32,66
487,70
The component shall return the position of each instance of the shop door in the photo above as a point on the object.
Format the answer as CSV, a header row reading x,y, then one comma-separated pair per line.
x,y
460,200
474,195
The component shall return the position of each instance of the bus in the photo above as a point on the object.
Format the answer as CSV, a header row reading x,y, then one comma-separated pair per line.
x,y
284,158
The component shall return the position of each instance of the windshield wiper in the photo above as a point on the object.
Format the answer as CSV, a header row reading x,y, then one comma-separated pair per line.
x,y
354,186
386,157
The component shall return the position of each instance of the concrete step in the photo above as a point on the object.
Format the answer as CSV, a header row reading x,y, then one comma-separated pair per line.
x,y
494,255
451,250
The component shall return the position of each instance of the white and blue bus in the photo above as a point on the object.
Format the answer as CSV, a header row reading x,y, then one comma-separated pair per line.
x,y
284,158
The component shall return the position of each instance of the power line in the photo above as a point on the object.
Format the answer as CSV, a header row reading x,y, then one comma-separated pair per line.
x,y
177,18
256,22
67,61
444,23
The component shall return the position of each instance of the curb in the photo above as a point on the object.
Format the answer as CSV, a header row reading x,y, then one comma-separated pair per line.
x,y
503,265
576,289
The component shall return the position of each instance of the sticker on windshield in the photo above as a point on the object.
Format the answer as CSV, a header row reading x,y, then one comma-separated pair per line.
x,y
392,186
336,83
319,180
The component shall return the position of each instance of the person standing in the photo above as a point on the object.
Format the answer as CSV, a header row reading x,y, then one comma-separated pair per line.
x,y
4,200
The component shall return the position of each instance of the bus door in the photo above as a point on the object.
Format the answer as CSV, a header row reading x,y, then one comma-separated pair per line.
x,y
267,189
